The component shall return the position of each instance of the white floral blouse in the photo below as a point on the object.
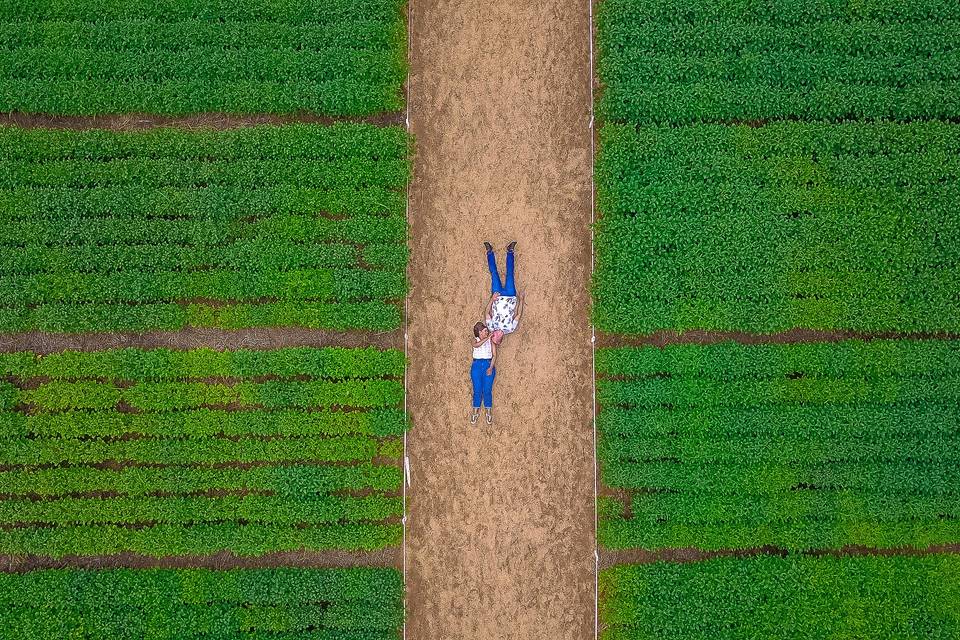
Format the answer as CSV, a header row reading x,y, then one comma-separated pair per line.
x,y
501,315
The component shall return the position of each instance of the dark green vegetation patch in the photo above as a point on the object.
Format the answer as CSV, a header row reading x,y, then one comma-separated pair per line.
x,y
328,57
847,226
868,598
798,446
315,604
193,452
265,226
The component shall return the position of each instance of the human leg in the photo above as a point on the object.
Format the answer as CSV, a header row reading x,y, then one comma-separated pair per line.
x,y
477,372
488,387
510,288
495,285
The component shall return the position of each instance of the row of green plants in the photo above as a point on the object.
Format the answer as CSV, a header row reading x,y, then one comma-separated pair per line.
x,y
136,364
235,285
864,597
329,604
112,182
791,225
258,75
227,284
375,31
295,141
280,479
740,446
205,232
204,423
174,396
29,452
729,361
282,12
189,510
826,35
785,12
79,318
159,540
254,254
166,229
162,451
90,197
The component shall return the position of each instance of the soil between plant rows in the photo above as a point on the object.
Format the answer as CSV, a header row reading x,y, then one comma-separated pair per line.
x,y
500,520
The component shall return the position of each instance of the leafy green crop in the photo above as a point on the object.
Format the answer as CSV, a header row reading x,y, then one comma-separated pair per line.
x,y
181,452
680,62
326,57
301,225
797,445
327,604
846,226
869,598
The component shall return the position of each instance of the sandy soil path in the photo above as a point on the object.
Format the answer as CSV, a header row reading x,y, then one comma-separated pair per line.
x,y
500,520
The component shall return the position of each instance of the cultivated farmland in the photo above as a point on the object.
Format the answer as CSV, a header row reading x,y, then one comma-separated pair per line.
x,y
343,604
245,451
799,446
263,226
793,597
778,174
328,57
219,188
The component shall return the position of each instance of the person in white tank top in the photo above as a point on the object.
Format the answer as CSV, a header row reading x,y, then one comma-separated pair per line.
x,y
483,371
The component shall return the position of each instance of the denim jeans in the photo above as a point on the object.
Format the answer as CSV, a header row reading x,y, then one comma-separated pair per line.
x,y
482,383
496,286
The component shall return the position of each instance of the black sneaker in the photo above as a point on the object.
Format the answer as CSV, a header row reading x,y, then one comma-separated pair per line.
x,y
511,246
488,246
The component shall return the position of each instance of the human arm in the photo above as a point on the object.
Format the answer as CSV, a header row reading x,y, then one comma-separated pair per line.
x,y
489,309
493,359
519,310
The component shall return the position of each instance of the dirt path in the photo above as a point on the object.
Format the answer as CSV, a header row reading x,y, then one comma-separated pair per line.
x,y
500,538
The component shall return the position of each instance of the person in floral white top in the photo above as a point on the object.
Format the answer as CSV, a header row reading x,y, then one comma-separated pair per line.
x,y
501,316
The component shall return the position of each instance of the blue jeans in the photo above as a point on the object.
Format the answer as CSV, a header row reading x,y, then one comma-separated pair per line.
x,y
496,286
482,383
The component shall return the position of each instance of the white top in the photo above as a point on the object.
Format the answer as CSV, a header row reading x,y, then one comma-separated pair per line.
x,y
484,351
501,315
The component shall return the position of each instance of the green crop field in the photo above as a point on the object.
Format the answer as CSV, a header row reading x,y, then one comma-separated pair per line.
x,y
683,62
909,598
299,225
167,452
799,446
315,604
329,57
765,167
828,226
785,211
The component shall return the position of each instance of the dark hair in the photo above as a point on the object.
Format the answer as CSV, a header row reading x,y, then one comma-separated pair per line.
x,y
477,328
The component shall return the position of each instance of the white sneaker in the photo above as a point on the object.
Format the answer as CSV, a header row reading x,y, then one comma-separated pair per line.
x,y
489,415
474,416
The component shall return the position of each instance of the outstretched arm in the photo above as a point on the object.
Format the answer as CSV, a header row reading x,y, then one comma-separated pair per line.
x,y
519,310
493,360
489,309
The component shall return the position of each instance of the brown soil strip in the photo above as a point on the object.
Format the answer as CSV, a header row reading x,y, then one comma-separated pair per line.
x,y
500,535
194,337
791,336
609,558
217,121
223,560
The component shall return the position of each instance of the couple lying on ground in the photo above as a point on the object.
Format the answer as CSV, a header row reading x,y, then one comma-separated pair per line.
x,y
501,316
